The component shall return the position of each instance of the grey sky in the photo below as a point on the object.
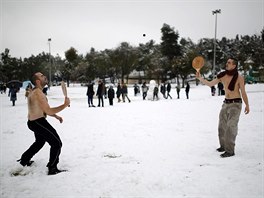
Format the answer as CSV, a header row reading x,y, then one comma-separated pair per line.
x,y
27,25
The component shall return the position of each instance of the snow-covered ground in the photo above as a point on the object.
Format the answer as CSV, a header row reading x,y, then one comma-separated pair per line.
x,y
146,149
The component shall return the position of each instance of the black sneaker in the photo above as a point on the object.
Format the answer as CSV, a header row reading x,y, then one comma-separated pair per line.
x,y
220,149
55,170
23,163
226,154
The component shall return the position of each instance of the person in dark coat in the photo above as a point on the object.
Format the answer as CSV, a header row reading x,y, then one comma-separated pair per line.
x,y
136,90
168,90
1,88
144,90
111,95
187,89
155,93
13,94
124,93
213,90
100,93
5,87
220,87
118,92
163,90
90,94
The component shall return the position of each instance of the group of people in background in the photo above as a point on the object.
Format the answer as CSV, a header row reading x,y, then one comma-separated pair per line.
x,y
187,89
220,87
167,89
103,92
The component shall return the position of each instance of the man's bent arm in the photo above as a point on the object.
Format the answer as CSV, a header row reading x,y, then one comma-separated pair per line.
x,y
47,109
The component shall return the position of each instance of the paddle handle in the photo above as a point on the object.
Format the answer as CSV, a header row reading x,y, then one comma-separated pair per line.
x,y
64,89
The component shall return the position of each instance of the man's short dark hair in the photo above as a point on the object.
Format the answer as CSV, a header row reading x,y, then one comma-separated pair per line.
x,y
33,79
235,61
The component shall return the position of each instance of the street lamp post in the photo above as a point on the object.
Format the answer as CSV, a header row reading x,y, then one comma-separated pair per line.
x,y
215,12
49,40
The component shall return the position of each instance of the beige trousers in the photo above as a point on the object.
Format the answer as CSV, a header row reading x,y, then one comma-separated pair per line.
x,y
227,126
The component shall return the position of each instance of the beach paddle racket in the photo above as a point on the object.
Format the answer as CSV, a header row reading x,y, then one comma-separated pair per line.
x,y
198,63
64,89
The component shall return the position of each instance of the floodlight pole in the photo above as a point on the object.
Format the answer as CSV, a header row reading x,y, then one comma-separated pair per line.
x,y
215,12
49,40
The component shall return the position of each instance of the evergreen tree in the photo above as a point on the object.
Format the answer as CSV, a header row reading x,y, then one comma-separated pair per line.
x,y
71,61
169,46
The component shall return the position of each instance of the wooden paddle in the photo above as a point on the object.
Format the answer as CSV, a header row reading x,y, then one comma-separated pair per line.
x,y
64,89
198,63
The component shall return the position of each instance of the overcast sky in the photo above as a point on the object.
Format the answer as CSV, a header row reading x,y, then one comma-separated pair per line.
x,y
82,24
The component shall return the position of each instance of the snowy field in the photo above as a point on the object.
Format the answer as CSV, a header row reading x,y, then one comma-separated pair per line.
x,y
148,149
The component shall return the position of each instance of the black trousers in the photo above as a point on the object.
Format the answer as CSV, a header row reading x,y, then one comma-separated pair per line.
x,y
100,98
90,100
144,95
111,101
44,132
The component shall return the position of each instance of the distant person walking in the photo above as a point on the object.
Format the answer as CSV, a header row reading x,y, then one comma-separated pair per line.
x,y
111,95
1,87
4,88
168,90
220,87
13,94
187,89
163,90
213,90
136,89
234,86
118,92
155,93
90,93
100,93
124,93
144,88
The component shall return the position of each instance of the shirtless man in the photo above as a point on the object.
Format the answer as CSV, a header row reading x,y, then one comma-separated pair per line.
x,y
38,109
229,115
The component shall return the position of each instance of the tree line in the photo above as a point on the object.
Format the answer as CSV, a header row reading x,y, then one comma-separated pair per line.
x,y
171,58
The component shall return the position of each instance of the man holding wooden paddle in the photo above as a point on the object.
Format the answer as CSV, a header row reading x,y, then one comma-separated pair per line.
x,y
38,109
229,115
